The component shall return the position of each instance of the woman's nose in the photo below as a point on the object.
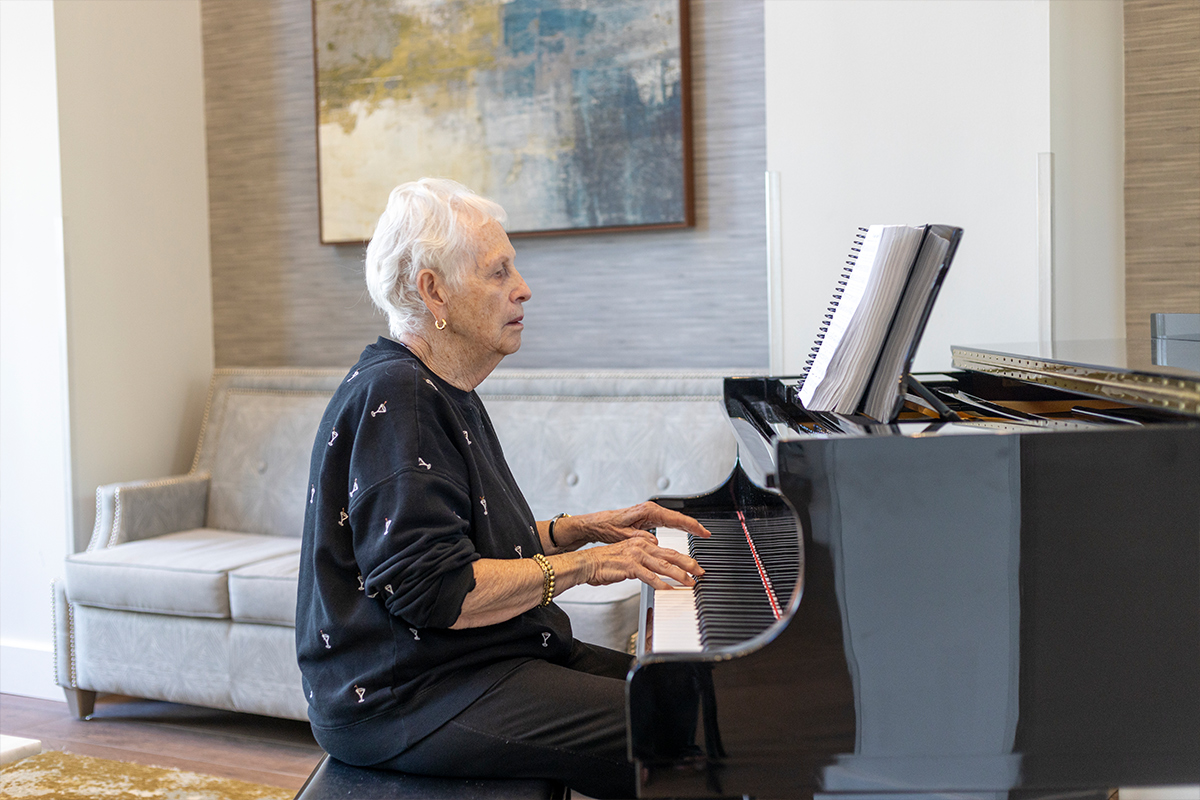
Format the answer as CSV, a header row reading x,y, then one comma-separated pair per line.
x,y
523,290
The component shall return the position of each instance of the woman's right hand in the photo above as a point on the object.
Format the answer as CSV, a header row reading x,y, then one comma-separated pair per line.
x,y
640,558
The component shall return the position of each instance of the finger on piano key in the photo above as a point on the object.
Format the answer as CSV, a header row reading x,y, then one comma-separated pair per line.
x,y
677,540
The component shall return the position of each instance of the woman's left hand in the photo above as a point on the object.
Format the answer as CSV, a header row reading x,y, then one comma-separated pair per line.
x,y
620,524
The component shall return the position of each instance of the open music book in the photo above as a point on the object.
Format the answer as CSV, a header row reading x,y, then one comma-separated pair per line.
x,y
864,352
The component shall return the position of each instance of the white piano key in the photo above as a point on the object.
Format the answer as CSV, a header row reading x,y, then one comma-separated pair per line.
x,y
673,538
675,626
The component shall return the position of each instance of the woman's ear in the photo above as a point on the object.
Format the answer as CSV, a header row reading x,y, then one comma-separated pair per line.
x,y
432,288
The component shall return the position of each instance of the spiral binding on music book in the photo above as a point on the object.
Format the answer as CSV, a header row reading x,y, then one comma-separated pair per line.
x,y
839,290
867,338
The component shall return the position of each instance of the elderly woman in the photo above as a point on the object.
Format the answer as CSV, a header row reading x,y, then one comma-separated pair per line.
x,y
425,628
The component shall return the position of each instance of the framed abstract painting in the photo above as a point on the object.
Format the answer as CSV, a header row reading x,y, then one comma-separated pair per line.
x,y
575,115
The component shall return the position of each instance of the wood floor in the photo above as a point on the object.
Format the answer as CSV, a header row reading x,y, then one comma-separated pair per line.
x,y
264,750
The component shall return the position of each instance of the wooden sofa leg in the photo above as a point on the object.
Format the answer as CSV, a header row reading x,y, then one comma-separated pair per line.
x,y
82,702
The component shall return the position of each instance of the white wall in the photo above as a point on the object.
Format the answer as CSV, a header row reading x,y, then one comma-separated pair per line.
x,y
1087,137
106,282
135,202
34,462
929,111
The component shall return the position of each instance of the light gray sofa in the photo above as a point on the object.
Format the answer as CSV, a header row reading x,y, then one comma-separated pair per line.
x,y
187,589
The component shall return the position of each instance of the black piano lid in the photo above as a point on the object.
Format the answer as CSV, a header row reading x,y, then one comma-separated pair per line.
x,y
981,615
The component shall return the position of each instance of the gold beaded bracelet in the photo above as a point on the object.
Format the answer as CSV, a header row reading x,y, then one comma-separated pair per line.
x,y
547,579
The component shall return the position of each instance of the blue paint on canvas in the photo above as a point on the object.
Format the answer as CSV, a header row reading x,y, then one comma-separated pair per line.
x,y
626,165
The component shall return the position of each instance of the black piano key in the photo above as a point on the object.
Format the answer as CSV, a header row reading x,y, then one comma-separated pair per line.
x,y
732,605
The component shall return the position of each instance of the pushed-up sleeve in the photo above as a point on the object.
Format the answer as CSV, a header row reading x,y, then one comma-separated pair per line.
x,y
412,545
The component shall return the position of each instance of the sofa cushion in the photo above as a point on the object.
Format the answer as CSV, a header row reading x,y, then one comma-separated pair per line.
x,y
265,591
604,615
185,574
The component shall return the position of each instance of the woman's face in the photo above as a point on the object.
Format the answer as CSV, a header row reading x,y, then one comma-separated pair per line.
x,y
485,307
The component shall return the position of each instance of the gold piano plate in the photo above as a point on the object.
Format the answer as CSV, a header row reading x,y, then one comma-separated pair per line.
x,y
1087,367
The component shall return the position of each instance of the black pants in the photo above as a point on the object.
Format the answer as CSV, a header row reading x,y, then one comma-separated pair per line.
x,y
541,721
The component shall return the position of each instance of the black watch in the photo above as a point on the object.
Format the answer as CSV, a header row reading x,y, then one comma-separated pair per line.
x,y
553,520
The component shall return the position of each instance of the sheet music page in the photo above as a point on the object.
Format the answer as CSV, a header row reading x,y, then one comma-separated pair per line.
x,y
855,334
885,387
860,350
856,287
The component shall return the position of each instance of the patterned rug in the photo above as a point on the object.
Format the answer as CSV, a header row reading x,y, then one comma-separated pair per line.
x,y
64,776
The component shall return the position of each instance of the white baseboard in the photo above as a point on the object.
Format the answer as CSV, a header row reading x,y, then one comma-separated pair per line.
x,y
27,668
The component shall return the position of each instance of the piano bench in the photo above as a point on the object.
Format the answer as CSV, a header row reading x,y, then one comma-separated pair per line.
x,y
332,778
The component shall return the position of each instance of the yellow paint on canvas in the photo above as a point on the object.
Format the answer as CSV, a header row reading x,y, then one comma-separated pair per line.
x,y
433,62
385,148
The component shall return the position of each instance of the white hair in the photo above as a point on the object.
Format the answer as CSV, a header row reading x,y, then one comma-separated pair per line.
x,y
426,225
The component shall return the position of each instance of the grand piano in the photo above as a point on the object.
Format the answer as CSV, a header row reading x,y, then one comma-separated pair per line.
x,y
995,596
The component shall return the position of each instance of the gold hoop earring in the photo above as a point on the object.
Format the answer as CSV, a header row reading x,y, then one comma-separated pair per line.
x,y
440,324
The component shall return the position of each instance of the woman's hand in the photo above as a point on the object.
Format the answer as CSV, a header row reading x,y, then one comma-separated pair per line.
x,y
640,558
630,550
622,524
505,588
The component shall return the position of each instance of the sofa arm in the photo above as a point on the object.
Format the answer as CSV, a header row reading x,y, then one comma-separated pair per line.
x,y
81,702
126,512
64,639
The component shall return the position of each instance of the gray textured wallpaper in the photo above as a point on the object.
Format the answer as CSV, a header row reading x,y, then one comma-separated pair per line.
x,y
681,298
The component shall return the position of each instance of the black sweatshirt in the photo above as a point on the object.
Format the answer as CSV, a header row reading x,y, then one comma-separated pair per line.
x,y
408,486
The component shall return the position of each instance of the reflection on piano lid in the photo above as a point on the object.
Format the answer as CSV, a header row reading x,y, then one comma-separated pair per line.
x,y
1006,602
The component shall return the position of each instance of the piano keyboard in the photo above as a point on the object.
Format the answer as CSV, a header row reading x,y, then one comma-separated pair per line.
x,y
733,601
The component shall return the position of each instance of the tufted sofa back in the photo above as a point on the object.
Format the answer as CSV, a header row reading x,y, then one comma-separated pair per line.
x,y
586,441
255,444
576,441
